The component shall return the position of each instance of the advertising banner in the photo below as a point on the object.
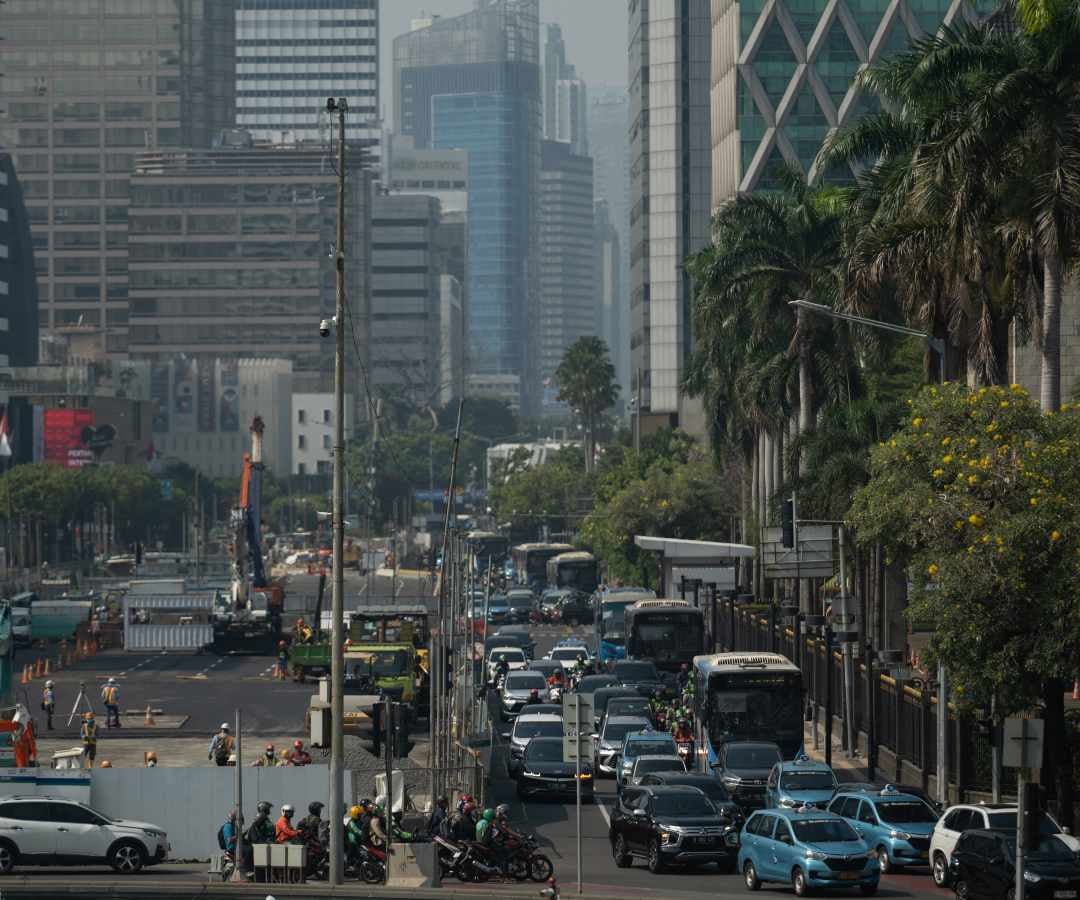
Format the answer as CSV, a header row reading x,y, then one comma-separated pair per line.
x,y
185,381
160,376
229,401
206,373
64,437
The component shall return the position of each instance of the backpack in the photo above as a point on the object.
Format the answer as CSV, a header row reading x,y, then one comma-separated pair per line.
x,y
221,842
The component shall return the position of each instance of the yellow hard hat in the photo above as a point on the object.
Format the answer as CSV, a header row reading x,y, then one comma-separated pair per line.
x,y
355,812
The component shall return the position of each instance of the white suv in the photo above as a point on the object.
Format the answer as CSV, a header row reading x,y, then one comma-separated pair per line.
x,y
965,817
51,831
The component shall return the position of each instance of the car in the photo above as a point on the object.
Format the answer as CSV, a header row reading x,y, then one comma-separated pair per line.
x,y
498,610
983,865
520,603
527,726
509,639
568,655
518,634
646,742
514,657
517,689
800,782
543,773
590,684
626,706
608,742
709,784
30,829
873,787
806,848
897,825
744,767
576,608
549,602
660,762
602,696
638,675
548,709
967,816
670,825
546,667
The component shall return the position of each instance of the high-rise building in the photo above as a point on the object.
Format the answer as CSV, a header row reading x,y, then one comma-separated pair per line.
x,y
18,281
87,86
607,283
567,259
783,77
565,96
293,54
670,193
472,83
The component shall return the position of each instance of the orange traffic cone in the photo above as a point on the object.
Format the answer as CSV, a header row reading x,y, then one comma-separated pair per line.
x,y
46,672
149,719
1076,689
25,675
37,668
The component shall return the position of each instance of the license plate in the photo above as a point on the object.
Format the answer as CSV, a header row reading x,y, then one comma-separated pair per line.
x,y
1064,895
849,876
703,842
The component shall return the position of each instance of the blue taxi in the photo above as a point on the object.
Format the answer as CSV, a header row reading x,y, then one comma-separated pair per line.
x,y
800,781
807,848
897,825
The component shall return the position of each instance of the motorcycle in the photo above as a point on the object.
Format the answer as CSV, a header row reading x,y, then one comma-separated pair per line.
x,y
556,694
461,862
368,863
525,862
686,753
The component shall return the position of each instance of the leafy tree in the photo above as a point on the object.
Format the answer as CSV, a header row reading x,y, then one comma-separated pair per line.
x,y
555,495
977,496
586,379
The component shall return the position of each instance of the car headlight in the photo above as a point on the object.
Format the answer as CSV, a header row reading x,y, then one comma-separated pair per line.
x,y
787,801
669,837
585,776
900,835
731,781
1031,877
160,835
816,854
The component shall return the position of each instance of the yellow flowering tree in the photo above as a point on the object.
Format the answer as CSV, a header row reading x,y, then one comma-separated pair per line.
x,y
978,493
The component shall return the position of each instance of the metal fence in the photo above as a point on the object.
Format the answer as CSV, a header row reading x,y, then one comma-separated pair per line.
x,y
907,732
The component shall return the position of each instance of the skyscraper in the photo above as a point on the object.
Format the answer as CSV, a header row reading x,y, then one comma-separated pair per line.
x,y
566,103
472,83
608,285
18,282
292,54
670,194
87,86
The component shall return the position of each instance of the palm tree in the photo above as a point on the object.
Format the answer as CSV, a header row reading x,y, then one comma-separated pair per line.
x,y
586,380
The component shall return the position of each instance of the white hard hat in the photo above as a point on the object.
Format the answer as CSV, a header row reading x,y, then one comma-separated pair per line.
x,y
112,681
224,726
49,683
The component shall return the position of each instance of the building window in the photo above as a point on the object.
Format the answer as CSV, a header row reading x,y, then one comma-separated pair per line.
x,y
301,469
323,467
301,417
326,442
301,442
326,417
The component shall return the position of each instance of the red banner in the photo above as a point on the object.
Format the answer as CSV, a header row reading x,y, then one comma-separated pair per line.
x,y
64,437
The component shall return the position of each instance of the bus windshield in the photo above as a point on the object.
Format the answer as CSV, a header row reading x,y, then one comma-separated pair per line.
x,y
578,575
666,636
613,620
756,706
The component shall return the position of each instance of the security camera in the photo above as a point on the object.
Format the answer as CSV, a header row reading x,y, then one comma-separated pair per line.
x,y
324,327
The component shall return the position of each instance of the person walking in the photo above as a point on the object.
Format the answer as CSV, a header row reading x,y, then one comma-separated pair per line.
x,y
48,702
89,735
110,696
221,746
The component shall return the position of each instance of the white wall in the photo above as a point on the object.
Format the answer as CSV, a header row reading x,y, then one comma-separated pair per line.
x,y
315,430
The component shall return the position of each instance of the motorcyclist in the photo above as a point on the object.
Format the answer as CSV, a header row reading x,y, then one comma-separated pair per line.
x,y
312,822
682,732
557,679
503,838
229,832
356,832
311,833
437,821
377,825
502,667
483,828
400,834
261,830
534,698
462,826
283,830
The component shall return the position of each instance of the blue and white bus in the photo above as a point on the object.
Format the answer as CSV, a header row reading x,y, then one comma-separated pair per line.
x,y
611,619
669,632
746,696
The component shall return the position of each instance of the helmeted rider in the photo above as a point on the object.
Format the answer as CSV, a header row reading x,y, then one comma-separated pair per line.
x,y
682,731
534,698
261,830
283,830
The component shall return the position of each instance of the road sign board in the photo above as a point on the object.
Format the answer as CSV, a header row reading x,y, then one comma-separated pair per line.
x,y
1023,744
572,703
579,748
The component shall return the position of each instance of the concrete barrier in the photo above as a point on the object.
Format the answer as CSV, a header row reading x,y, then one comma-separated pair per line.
x,y
413,865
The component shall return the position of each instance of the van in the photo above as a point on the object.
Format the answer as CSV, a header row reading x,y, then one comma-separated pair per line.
x,y
20,626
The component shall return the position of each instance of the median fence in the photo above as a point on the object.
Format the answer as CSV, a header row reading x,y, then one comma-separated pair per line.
x,y
898,718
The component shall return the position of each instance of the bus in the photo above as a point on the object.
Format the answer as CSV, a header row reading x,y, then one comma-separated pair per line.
x,y
576,570
669,632
487,546
611,621
746,696
530,562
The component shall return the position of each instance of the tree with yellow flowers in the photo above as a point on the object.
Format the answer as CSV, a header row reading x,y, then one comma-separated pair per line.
x,y
978,494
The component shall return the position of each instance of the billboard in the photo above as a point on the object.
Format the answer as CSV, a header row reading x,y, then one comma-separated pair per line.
x,y
229,401
206,373
65,434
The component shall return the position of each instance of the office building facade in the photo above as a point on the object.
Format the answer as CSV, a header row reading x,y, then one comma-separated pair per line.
x,y
608,288
18,281
472,83
565,96
567,259
89,85
670,192
293,54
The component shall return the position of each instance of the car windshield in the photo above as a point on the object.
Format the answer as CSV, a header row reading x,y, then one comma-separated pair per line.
x,y
1050,848
519,602
1008,820
824,831
525,729
544,751
808,781
897,812
569,653
628,706
667,764
647,748
616,731
752,757
526,681
509,655
682,804
636,671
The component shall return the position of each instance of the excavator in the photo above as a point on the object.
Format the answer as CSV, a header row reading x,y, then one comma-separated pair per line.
x,y
248,618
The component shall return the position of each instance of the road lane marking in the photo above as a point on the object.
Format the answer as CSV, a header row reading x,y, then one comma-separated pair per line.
x,y
603,811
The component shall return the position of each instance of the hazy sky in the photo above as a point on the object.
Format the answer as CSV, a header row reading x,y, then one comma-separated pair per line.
x,y
594,32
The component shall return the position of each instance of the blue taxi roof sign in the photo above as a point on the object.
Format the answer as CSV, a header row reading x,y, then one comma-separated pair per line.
x,y
889,789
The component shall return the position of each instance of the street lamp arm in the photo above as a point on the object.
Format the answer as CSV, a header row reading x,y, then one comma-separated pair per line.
x,y
936,344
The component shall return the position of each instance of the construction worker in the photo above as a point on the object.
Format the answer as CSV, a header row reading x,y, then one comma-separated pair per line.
x,y
284,759
269,758
221,746
283,830
282,660
299,756
302,632
88,733
48,702
110,696
151,760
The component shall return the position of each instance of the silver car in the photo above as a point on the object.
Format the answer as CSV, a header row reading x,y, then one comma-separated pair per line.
x,y
608,744
517,690
527,726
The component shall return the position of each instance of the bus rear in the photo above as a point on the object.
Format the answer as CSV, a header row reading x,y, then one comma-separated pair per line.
x,y
669,632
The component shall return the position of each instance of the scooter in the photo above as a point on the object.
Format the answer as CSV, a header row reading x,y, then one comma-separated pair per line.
x,y
461,862
555,693
686,753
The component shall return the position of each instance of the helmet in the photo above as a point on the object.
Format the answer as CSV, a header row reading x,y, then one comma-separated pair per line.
x,y
684,723
364,803
502,810
284,754
467,809
263,807
489,815
224,726
534,693
111,681
49,683
315,808
287,810
380,801
105,764
356,812
298,745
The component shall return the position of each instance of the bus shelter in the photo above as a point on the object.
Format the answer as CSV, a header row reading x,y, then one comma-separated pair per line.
x,y
710,562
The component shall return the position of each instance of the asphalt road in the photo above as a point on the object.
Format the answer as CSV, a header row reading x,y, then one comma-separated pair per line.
x,y
554,824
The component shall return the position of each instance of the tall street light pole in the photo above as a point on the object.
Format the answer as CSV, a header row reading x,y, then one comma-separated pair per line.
x,y
337,603
938,346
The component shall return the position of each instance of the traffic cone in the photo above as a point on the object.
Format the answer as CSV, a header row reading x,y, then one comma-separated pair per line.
x,y
46,672
149,719
37,669
25,675
1076,689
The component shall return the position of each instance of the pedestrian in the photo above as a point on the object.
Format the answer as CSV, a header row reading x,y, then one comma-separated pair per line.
x,y
283,830
48,702
282,660
88,733
110,696
299,756
221,746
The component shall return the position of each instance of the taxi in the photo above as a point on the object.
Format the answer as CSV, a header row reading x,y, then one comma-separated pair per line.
x,y
807,848
798,782
897,825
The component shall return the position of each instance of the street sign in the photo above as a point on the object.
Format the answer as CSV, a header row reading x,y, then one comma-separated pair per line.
x,y
571,704
580,748
1022,747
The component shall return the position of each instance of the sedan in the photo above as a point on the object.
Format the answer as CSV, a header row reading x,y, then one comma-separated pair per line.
x,y
518,690
544,773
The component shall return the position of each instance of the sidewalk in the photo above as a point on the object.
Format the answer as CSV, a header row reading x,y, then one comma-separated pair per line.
x,y
846,769
172,752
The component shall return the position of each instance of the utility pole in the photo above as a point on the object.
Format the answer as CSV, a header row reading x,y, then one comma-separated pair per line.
x,y
337,602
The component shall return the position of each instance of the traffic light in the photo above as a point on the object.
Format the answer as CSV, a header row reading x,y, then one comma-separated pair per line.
x,y
1033,809
787,522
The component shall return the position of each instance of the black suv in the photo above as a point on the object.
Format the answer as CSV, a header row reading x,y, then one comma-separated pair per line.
x,y
640,675
674,825
983,865
743,767
709,784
